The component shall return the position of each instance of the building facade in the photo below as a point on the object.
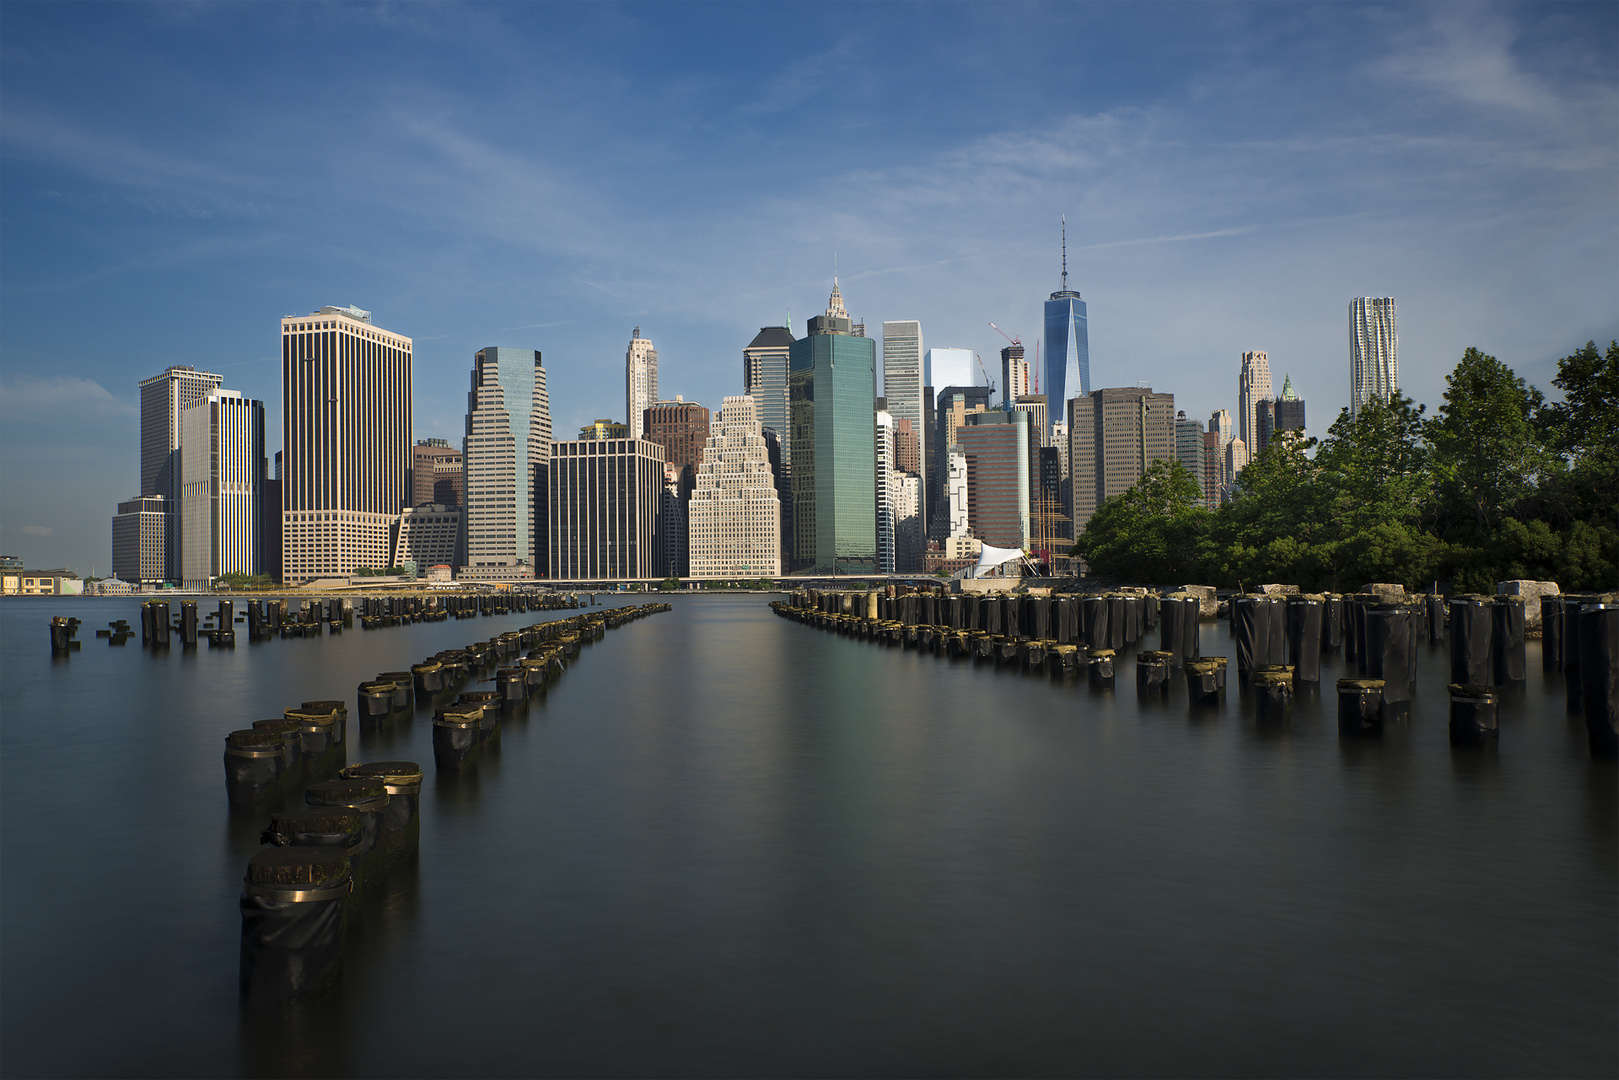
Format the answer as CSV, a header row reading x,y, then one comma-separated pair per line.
x,y
1189,449
345,423
1114,434
604,500
1035,406
640,382
1068,343
139,540
834,456
734,514
674,521
163,397
222,471
681,428
1289,409
997,449
905,382
504,455
436,473
1374,350
1014,373
1253,386
955,404
429,535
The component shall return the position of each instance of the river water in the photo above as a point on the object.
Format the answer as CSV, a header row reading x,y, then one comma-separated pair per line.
x,y
728,844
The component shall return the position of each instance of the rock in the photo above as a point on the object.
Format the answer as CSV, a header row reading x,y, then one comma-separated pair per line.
x,y
1531,591
1208,606
1385,592
1279,590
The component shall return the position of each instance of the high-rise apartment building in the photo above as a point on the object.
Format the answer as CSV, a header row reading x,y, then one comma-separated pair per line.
x,y
734,513
1014,373
640,382
1220,424
345,422
1189,448
139,548
1253,386
1068,343
996,446
605,497
1374,350
905,380
834,394
681,428
163,397
504,456
1114,435
222,469
436,473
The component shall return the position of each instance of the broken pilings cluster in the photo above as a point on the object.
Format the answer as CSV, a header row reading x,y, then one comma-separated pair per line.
x,y
299,891
303,745
1580,638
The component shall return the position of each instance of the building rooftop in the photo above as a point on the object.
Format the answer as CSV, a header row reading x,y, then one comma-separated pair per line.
x,y
772,337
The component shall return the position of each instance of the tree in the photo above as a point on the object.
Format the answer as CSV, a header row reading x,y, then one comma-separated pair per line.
x,y
1151,532
1487,456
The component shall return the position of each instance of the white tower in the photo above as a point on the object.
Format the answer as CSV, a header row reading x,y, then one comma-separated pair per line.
x,y
1374,350
640,383
1253,386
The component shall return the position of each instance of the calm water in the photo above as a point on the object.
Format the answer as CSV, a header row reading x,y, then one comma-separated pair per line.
x,y
727,844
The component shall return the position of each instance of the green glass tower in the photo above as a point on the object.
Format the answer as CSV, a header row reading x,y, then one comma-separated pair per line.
x,y
832,395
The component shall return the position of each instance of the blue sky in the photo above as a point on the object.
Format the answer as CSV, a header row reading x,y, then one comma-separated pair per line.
x,y
175,178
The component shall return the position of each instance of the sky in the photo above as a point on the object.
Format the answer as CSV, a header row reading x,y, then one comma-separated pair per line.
x,y
175,178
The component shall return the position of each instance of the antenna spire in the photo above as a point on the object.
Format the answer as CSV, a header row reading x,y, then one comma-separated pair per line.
x,y
1065,253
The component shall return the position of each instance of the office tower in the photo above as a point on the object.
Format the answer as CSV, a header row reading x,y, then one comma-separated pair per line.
x,y
734,512
1014,373
139,547
784,491
1213,474
162,399
1035,406
1236,460
1068,343
833,394
270,521
640,381
1189,448
429,536
1047,517
673,557
764,378
1289,409
996,446
907,448
953,367
605,495
1264,424
956,494
1374,350
1114,435
1253,386
955,404
345,421
436,473
507,445
221,475
905,381
1065,497
885,513
1220,424
681,428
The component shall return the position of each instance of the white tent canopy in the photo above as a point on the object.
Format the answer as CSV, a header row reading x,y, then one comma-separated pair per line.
x,y
991,557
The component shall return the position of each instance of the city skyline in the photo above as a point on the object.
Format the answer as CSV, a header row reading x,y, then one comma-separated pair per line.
x,y
177,201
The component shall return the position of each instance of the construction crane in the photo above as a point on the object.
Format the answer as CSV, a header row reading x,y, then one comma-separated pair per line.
x,y
989,382
1016,340
1001,332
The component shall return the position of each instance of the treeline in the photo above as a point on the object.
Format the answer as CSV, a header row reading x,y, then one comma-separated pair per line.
x,y
1496,485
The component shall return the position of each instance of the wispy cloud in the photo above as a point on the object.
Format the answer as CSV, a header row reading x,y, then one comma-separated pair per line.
x,y
30,397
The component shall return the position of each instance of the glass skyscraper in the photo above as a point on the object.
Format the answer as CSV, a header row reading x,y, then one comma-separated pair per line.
x,y
833,387
504,462
1068,343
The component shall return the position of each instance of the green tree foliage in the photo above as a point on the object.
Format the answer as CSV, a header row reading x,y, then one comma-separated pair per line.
x,y
1497,485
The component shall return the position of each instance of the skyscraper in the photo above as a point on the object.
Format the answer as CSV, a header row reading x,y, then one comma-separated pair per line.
x,y
163,397
436,473
905,377
734,513
221,472
1035,406
1374,350
1189,448
681,428
1289,409
996,446
834,394
951,367
1068,343
1114,435
1253,386
956,403
604,500
504,456
764,378
640,382
1014,373
1220,424
885,509
345,421
139,550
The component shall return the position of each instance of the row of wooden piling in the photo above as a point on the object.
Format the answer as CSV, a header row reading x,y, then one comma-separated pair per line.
x,y
299,891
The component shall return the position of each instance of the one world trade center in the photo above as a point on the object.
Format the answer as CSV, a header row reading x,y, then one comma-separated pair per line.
x,y
1068,346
